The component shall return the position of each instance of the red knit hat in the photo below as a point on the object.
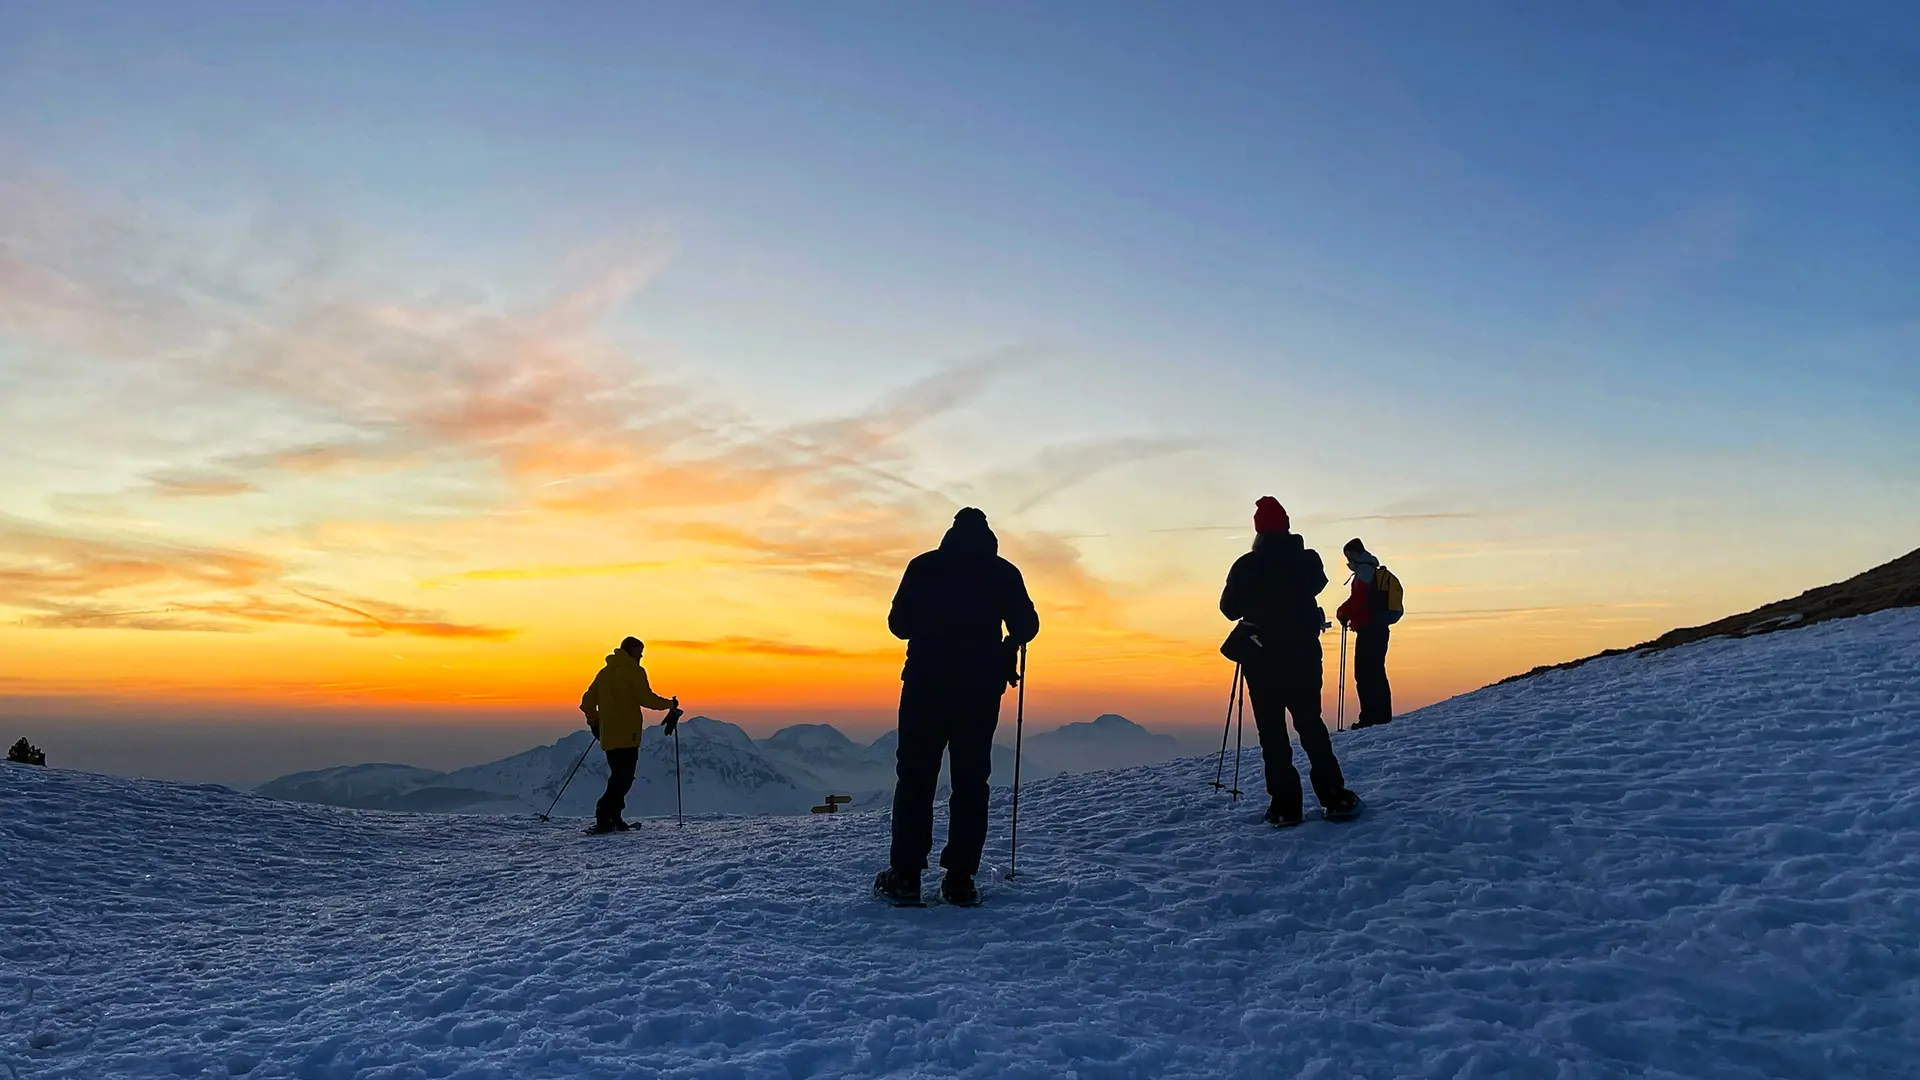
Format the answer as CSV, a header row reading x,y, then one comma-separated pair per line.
x,y
1270,516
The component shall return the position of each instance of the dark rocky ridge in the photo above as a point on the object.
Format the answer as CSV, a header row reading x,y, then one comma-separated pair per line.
x,y
1890,585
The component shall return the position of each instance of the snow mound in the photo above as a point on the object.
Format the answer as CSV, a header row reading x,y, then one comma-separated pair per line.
x,y
1703,862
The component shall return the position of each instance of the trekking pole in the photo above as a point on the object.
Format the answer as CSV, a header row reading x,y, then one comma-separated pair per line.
x,y
1238,735
1220,767
569,779
1019,726
1340,711
679,808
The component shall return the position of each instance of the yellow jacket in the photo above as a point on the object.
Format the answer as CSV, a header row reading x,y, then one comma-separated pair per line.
x,y
614,701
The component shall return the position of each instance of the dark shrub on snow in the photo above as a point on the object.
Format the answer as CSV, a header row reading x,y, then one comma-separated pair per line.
x,y
25,753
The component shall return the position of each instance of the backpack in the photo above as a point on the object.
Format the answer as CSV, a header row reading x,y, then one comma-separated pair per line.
x,y
1388,586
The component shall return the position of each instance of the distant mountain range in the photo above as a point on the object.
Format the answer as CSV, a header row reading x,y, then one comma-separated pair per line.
x,y
723,771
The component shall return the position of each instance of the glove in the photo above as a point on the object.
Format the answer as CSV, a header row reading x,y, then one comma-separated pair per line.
x,y
1013,664
672,720
593,725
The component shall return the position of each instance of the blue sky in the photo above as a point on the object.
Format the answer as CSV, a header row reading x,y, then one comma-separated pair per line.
x,y
1625,292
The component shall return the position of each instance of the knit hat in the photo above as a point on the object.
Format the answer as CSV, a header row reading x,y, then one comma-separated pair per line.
x,y
1270,516
1355,550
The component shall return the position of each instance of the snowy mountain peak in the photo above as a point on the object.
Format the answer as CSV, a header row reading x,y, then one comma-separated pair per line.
x,y
703,729
788,772
366,786
1107,726
809,737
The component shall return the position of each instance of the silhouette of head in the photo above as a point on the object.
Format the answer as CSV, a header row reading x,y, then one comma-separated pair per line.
x,y
633,647
1269,516
970,534
1358,555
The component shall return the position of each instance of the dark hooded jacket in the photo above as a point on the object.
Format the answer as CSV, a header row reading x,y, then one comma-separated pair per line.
x,y
1274,587
951,605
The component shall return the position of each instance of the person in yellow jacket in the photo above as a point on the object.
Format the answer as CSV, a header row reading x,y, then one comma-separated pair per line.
x,y
612,706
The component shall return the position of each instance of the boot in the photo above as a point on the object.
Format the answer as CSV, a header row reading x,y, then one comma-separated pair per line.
x,y
1280,816
897,888
959,890
1344,805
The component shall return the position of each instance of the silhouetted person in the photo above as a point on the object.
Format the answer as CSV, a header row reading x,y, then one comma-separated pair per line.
x,y
1370,610
950,608
612,705
1273,588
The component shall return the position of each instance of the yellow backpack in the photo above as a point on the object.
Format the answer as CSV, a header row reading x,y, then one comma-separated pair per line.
x,y
1389,586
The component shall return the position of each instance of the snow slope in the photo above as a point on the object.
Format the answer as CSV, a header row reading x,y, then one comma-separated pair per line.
x,y
1696,863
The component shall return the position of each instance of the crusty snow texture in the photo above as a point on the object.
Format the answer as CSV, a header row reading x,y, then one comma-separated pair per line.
x,y
1700,863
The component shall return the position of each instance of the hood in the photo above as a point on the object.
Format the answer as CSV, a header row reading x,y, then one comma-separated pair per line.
x,y
970,535
619,657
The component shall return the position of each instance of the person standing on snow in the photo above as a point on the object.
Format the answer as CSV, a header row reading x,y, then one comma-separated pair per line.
x,y
1370,610
1271,592
612,706
950,607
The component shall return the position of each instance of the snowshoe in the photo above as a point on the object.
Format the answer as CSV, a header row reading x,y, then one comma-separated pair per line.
x,y
602,828
1345,807
1281,817
959,890
623,826
898,889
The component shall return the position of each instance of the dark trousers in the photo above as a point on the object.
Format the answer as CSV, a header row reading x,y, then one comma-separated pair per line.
x,y
1290,683
1370,675
620,766
937,721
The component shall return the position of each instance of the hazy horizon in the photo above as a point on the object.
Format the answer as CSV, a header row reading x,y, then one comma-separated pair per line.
x,y
243,753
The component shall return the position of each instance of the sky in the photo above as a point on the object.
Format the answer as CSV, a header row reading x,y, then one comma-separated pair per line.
x,y
368,370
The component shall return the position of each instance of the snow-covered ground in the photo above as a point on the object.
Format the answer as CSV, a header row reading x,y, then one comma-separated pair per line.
x,y
1698,863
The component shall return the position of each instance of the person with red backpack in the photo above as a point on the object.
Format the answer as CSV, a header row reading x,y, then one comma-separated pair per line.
x,y
1374,606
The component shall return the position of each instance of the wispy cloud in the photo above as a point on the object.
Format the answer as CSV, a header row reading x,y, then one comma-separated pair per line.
x,y
1560,613
545,572
198,484
752,646
60,579
371,617
529,410
46,561
1058,468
